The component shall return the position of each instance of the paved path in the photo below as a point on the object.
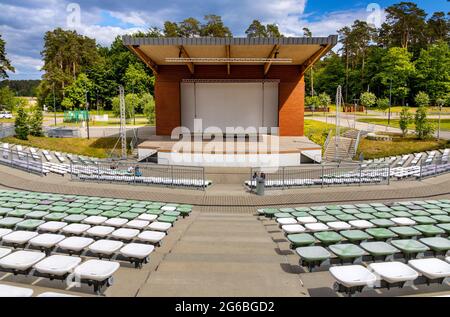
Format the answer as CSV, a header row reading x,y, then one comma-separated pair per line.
x,y
348,121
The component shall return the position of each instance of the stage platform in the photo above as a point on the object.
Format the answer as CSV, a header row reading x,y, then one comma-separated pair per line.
x,y
265,151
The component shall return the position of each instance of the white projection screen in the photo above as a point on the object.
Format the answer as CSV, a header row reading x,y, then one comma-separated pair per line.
x,y
229,104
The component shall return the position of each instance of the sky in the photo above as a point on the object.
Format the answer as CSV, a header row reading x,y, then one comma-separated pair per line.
x,y
24,23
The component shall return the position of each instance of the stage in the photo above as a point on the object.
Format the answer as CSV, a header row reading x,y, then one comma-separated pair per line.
x,y
262,151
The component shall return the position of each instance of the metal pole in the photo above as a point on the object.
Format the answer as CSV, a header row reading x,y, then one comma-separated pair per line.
x,y
439,123
87,115
390,104
54,102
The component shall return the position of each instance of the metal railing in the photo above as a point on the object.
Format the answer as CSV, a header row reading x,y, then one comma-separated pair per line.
x,y
439,165
6,131
323,175
133,173
24,161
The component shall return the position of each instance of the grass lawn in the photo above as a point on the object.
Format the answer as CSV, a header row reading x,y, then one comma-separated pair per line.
x,y
398,109
99,148
7,120
398,146
110,122
317,131
445,123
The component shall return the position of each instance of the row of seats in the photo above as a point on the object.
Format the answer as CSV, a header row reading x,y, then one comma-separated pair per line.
x,y
334,235
15,291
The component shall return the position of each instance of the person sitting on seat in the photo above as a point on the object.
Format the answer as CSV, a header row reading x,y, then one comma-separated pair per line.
x,y
137,172
130,170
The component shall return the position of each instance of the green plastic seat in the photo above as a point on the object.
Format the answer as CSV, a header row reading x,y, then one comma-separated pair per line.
x,y
429,206
10,205
375,205
106,207
333,207
364,216
429,230
75,205
122,209
348,207
184,211
437,244
378,248
36,214
129,215
351,211
138,210
382,223
355,235
92,212
26,206
326,218
441,218
424,220
418,213
9,222
408,246
19,213
109,203
4,211
381,233
401,214
383,215
186,206
313,254
60,204
139,205
91,206
347,251
367,210
58,209
399,208
346,217
42,207
155,212
55,216
124,204
436,212
110,214
289,210
445,226
383,209
362,205
29,224
172,213
301,239
334,212
75,218
282,215
328,237
318,208
405,232
317,213
269,212
75,211
300,214
168,219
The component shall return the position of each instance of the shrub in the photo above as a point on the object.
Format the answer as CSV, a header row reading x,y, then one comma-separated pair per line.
x,y
424,128
21,124
36,121
405,120
422,99
383,104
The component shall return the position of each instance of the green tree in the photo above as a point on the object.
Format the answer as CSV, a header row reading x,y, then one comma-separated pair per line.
x,y
328,74
5,64
136,79
256,29
312,102
7,99
273,31
149,107
21,124
406,119
214,27
189,27
383,104
368,99
396,70
424,128
422,99
76,92
438,28
36,121
324,100
171,29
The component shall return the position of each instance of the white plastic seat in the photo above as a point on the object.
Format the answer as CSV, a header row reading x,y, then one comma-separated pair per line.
x,y
137,250
14,291
52,226
361,224
75,244
106,247
431,268
116,222
96,270
137,224
291,229
151,236
21,260
47,240
19,237
95,220
125,234
4,232
353,275
147,217
100,231
308,219
393,272
57,265
447,259
159,226
4,252
316,227
286,221
338,225
168,208
54,295
403,221
76,228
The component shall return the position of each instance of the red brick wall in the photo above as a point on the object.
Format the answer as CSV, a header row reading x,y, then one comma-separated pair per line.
x,y
291,93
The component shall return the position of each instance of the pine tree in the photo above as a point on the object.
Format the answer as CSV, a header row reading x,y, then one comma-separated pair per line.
x,y
21,124
36,122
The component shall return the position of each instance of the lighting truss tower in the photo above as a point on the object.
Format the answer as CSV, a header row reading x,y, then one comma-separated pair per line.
x,y
338,121
123,127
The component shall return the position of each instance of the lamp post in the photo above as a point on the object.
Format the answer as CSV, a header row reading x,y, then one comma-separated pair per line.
x,y
390,103
54,102
439,122
87,115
